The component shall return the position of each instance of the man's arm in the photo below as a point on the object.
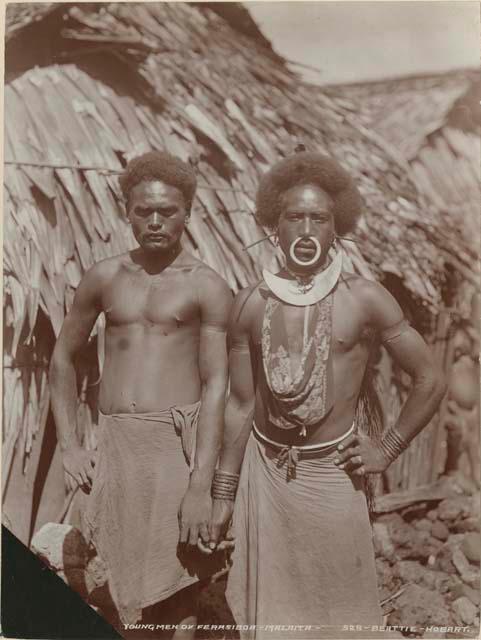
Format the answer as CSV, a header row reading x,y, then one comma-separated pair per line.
x,y
408,350
215,300
74,335
239,410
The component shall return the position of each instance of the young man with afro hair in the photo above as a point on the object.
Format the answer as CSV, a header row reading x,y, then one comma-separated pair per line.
x,y
300,341
161,401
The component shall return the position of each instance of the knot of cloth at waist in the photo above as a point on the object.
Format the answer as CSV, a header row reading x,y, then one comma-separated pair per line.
x,y
292,454
183,418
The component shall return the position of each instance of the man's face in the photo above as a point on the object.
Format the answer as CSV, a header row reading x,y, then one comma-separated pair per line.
x,y
157,213
306,213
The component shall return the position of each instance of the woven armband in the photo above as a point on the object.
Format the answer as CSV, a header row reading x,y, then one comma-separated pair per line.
x,y
395,331
224,485
393,444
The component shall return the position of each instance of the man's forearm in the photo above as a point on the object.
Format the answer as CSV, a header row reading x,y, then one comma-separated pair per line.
x,y
209,436
422,403
63,388
238,425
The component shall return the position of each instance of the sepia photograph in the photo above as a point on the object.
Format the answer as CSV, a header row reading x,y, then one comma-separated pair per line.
x,y
241,313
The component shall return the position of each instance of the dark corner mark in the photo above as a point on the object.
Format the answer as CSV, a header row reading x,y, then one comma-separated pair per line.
x,y
37,604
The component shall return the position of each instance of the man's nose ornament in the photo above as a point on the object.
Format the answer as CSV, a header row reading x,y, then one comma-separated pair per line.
x,y
305,263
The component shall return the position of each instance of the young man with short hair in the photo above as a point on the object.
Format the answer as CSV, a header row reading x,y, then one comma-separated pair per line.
x,y
161,399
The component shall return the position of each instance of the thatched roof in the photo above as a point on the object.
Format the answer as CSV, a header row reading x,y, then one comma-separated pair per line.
x,y
179,77
406,110
435,121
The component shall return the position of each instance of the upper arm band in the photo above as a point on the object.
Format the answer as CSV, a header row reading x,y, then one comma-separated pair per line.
x,y
395,331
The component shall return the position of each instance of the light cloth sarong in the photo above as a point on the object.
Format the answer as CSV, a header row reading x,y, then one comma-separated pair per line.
x,y
141,476
303,548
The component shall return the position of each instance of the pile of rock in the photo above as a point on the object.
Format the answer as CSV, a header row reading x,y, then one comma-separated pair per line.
x,y
430,564
63,549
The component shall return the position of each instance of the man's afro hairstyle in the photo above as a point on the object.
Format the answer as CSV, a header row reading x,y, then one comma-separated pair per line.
x,y
309,168
159,165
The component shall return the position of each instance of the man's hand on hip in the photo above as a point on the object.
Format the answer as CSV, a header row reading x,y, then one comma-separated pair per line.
x,y
79,466
358,455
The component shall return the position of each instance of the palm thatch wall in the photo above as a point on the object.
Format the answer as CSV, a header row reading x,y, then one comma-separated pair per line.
x,y
435,123
90,86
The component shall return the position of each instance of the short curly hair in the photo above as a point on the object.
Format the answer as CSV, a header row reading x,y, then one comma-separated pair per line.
x,y
309,168
163,166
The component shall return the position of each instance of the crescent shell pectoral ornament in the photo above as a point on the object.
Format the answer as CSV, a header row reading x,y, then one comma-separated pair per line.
x,y
290,292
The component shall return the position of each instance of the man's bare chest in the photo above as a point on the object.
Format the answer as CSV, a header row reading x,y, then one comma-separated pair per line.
x,y
150,300
348,328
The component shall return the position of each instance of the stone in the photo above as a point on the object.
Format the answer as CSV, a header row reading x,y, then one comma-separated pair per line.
x,y
464,610
420,546
458,482
385,575
432,515
463,590
444,560
460,561
95,573
436,580
390,518
75,578
470,546
453,583
472,578
469,574
432,560
455,539
418,606
60,546
476,506
402,534
439,530
383,545
424,525
457,507
468,524
410,571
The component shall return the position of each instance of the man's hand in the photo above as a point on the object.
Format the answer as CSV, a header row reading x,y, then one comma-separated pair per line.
x,y
79,466
194,515
359,455
219,525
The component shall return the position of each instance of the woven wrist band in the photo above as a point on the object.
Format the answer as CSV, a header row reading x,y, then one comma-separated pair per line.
x,y
224,485
393,444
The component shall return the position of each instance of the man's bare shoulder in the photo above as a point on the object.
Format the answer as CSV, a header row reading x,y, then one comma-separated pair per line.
x,y
378,303
208,281
209,290
363,288
103,271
